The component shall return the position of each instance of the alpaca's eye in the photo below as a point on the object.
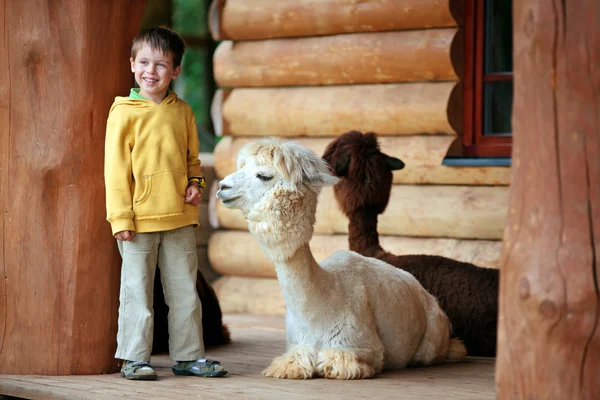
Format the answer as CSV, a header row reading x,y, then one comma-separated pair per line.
x,y
264,177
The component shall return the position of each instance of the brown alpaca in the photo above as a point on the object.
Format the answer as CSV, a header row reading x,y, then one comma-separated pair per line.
x,y
213,330
468,294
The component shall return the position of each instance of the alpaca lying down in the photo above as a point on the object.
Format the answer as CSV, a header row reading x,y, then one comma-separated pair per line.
x,y
349,317
467,294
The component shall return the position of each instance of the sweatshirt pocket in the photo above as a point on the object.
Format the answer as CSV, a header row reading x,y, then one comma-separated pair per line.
x,y
163,194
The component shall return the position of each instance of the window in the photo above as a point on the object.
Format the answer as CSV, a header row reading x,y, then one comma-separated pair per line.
x,y
488,79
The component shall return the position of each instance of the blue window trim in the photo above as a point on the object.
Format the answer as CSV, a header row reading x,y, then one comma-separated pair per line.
x,y
478,162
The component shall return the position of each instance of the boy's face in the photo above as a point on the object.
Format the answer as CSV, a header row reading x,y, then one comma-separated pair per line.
x,y
153,71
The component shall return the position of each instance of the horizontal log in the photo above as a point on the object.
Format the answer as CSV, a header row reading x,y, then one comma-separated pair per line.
x,y
247,258
467,212
390,109
380,57
422,155
264,19
241,295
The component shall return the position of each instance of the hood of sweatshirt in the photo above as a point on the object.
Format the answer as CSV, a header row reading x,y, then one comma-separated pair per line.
x,y
143,103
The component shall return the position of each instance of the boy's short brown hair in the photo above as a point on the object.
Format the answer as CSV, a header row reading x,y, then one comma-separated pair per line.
x,y
160,38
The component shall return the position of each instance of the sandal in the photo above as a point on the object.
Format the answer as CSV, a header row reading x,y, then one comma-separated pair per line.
x,y
138,370
203,368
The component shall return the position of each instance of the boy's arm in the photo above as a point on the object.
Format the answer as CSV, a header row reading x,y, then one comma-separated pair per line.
x,y
117,174
193,163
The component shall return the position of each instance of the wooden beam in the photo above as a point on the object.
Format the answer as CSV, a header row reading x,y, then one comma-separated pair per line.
x,y
549,325
242,295
59,265
422,155
379,57
466,212
247,258
266,19
418,108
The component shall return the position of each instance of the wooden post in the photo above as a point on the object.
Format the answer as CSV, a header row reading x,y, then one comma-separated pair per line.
x,y
549,333
62,63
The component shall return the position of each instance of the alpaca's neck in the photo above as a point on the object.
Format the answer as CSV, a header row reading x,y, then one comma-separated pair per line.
x,y
363,237
303,282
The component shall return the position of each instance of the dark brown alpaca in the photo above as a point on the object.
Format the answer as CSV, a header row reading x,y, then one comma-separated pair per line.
x,y
214,332
468,294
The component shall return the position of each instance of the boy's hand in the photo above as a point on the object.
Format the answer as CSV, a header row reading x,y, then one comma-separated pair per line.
x,y
125,236
193,195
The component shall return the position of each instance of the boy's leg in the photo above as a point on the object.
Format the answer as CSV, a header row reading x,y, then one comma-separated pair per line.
x,y
136,316
178,263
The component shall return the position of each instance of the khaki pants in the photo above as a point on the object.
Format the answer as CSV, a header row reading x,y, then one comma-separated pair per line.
x,y
175,252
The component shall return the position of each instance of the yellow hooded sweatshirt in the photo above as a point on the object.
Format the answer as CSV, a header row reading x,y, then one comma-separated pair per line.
x,y
151,151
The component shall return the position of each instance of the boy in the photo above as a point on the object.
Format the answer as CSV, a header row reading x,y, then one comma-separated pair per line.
x,y
153,182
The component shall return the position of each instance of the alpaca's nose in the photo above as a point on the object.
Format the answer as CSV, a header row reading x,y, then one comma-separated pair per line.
x,y
224,185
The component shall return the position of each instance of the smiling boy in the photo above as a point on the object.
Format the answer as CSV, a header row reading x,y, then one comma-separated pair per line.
x,y
153,181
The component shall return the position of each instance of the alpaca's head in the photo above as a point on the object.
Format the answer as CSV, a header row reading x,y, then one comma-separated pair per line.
x,y
267,165
365,172
276,187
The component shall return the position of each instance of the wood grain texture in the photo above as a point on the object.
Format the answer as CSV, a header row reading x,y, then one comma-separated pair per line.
x,y
549,330
4,172
60,265
265,19
237,253
257,296
388,109
465,212
422,154
257,340
379,57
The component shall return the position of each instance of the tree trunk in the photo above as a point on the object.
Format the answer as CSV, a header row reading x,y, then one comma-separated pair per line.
x,y
62,65
548,332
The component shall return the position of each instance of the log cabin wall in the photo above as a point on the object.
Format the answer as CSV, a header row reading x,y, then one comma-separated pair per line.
x,y
310,72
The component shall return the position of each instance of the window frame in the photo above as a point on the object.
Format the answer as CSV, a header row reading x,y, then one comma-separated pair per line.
x,y
475,142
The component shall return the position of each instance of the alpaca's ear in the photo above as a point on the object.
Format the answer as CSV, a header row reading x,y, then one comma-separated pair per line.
x,y
323,179
393,163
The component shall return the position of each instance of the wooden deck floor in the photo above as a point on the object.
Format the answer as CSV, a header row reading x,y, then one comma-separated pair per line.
x,y
256,341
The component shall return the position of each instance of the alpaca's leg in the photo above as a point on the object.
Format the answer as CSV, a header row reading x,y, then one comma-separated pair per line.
x,y
349,363
297,363
436,345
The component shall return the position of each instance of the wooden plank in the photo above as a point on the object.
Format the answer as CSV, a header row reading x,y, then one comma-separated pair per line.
x,y
238,253
549,325
419,109
422,155
60,263
265,19
379,57
257,341
467,212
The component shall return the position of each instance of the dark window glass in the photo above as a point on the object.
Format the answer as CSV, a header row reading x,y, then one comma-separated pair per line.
x,y
498,36
498,98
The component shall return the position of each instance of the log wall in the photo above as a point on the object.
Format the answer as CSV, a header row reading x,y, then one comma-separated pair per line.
x,y
310,71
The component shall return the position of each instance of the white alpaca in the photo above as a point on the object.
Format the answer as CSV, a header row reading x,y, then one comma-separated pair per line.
x,y
349,317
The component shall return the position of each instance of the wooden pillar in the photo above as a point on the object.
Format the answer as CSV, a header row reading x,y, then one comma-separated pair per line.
x,y
549,333
62,63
